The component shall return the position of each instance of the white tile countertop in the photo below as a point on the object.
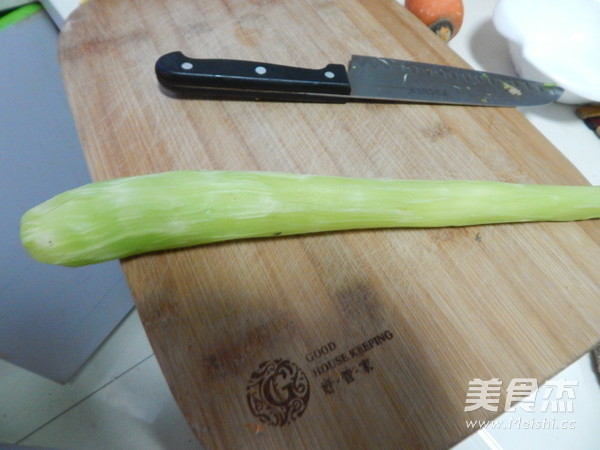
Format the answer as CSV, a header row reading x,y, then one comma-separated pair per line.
x,y
121,400
59,10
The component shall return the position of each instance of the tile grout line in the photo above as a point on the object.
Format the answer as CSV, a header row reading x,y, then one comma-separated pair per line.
x,y
80,401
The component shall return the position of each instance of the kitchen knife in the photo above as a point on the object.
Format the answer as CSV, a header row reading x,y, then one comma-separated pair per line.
x,y
367,79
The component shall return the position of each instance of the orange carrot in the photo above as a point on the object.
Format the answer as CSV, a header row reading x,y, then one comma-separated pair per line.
x,y
444,17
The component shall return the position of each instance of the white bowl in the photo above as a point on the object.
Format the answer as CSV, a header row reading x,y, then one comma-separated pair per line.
x,y
555,41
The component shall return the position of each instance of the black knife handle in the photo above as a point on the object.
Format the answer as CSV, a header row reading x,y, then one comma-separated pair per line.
x,y
236,78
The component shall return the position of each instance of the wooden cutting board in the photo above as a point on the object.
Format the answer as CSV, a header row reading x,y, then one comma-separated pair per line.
x,y
341,340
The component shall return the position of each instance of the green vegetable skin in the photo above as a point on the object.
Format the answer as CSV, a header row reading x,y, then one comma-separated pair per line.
x,y
128,216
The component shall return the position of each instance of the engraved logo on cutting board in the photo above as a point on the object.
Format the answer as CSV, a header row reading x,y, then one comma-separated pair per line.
x,y
278,392
337,368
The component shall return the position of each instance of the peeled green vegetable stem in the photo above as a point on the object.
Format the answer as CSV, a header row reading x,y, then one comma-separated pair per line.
x,y
128,216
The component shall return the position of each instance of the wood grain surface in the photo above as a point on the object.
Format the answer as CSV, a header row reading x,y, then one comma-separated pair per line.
x,y
340,340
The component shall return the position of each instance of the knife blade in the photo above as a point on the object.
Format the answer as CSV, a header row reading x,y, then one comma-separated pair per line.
x,y
367,79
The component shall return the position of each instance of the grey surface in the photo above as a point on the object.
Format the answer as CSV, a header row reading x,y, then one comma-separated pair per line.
x,y
51,318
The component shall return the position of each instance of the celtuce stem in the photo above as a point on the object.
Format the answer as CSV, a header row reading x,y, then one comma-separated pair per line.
x,y
129,216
